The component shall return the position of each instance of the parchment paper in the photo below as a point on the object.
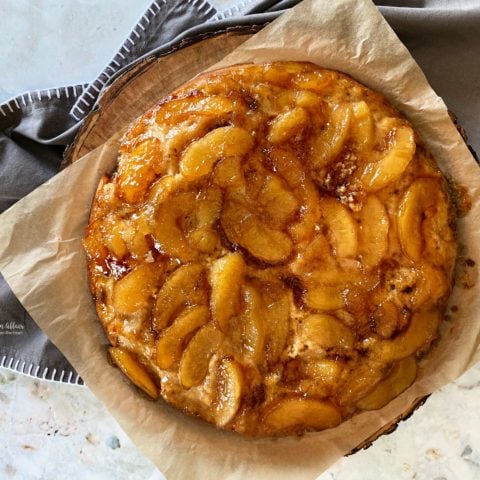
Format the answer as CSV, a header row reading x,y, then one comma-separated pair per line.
x,y
43,261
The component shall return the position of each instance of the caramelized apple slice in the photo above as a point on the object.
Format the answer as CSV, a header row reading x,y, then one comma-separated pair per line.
x,y
431,286
169,345
324,297
134,370
184,108
402,375
181,288
133,292
299,414
138,168
327,332
325,371
422,200
134,234
196,357
201,156
226,278
253,325
374,226
229,391
205,239
362,127
440,246
287,125
307,99
420,333
208,208
391,167
277,200
228,172
277,318
331,140
170,237
243,228
113,238
362,379
342,229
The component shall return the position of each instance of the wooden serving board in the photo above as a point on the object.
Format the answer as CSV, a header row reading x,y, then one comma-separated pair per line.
x,y
139,88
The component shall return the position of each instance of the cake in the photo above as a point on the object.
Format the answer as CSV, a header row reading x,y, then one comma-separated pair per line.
x,y
274,251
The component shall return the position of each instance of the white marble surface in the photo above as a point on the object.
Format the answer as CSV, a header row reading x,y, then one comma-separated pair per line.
x,y
56,431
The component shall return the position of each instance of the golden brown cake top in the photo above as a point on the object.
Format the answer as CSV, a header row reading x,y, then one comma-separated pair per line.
x,y
274,251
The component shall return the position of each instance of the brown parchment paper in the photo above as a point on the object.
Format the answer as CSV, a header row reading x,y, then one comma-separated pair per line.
x,y
43,261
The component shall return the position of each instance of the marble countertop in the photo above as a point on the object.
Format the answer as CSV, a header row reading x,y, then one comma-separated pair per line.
x,y
57,431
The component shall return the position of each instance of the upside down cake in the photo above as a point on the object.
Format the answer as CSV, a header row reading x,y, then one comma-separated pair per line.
x,y
274,251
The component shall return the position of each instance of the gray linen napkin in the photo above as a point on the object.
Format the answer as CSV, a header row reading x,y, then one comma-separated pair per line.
x,y
442,35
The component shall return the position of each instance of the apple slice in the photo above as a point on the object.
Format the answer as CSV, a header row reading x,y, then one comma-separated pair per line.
x,y
362,127
134,370
278,201
424,201
379,174
168,234
342,229
374,227
196,357
327,332
362,378
277,318
133,291
287,125
138,168
170,344
402,375
229,391
201,156
182,287
330,141
226,278
243,228
421,332
325,297
253,325
297,414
